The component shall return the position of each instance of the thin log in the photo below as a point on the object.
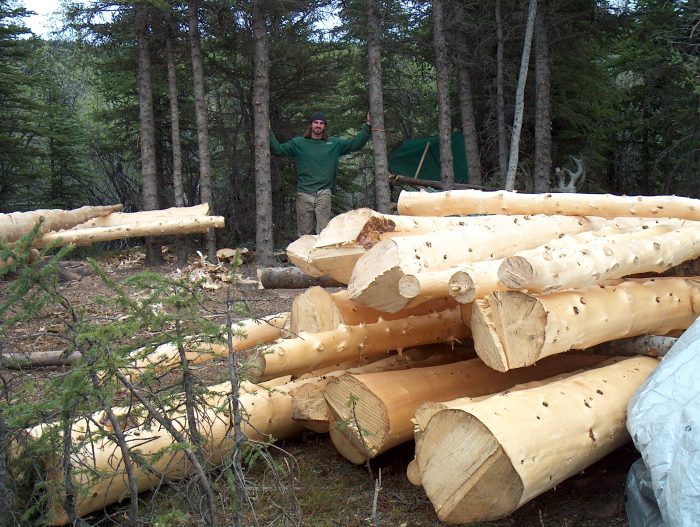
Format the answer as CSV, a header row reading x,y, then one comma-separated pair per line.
x,y
16,224
164,227
481,460
382,404
464,202
650,345
38,359
146,216
310,351
292,278
248,333
376,277
513,329
547,269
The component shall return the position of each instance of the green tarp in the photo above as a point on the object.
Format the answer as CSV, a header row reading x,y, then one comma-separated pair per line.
x,y
405,158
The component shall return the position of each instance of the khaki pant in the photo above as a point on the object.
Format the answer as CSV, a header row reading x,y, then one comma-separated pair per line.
x,y
313,209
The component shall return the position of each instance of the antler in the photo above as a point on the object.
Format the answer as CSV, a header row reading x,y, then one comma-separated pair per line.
x,y
574,177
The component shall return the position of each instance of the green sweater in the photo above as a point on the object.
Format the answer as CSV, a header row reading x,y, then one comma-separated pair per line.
x,y
317,160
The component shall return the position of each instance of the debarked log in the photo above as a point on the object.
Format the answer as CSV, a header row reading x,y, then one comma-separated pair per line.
x,y
373,411
376,277
481,460
160,227
513,329
16,224
551,268
463,202
98,466
309,351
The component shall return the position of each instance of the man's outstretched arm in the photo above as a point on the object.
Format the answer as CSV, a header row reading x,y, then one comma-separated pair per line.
x,y
358,141
287,149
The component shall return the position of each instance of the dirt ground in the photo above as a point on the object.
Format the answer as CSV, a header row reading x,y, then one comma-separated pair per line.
x,y
331,491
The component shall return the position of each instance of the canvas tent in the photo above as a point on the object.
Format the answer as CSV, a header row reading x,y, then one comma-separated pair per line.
x,y
405,159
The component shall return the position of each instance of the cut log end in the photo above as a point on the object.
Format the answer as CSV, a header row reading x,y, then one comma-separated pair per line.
x,y
409,286
515,272
413,474
487,342
462,288
487,488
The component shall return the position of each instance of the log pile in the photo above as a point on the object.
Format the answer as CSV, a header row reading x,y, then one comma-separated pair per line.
x,y
507,344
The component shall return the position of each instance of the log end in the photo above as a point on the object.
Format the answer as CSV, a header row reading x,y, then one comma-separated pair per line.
x,y
516,272
462,288
487,342
413,474
464,470
409,286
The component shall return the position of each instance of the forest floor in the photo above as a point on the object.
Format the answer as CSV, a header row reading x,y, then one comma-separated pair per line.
x,y
328,490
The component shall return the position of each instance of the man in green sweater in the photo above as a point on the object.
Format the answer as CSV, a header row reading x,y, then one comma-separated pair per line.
x,y
317,157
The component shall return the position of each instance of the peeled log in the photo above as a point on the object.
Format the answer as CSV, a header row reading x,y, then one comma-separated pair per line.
x,y
16,224
376,276
98,468
547,269
292,278
385,402
315,350
316,310
159,227
512,329
247,334
299,253
480,461
463,202
310,406
145,216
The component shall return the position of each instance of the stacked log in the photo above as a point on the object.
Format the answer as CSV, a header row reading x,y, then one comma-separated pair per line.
x,y
520,288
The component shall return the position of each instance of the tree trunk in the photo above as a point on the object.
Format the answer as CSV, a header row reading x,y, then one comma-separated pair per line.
x,y
481,460
576,265
264,236
147,130
180,240
385,402
317,350
16,224
514,330
466,100
200,108
376,106
543,115
467,202
376,277
520,98
500,103
443,93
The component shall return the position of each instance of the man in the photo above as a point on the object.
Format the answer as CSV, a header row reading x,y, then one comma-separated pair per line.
x,y
317,157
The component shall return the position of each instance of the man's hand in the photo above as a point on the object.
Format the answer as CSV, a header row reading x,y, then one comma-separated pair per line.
x,y
369,119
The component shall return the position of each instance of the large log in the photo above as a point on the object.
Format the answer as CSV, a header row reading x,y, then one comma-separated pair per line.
x,y
292,278
310,406
316,310
17,224
158,227
481,460
547,269
372,411
309,351
98,468
376,277
299,253
513,329
463,202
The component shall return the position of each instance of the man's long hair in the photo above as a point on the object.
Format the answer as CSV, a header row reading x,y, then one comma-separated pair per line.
x,y
324,134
